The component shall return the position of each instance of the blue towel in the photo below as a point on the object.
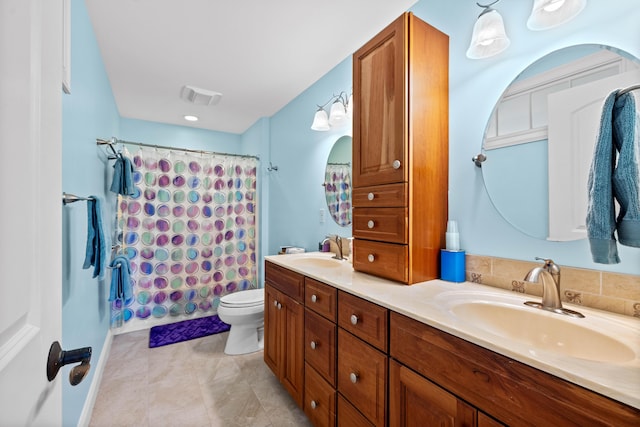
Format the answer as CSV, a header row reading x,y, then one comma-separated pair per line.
x,y
611,180
123,177
96,251
120,279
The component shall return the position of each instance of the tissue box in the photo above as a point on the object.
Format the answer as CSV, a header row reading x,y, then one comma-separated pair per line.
x,y
452,265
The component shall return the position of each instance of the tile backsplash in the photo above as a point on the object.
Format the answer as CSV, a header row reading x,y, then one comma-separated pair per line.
x,y
614,292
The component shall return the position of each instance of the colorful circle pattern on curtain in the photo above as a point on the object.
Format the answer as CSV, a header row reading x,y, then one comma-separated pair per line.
x,y
189,232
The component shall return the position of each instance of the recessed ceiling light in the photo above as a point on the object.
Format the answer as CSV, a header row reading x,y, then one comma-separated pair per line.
x,y
191,118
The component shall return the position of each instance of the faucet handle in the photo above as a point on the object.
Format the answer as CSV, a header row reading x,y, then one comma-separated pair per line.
x,y
549,265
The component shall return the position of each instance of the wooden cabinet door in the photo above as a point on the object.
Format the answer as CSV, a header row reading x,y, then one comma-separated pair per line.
x,y
379,118
284,340
272,350
292,336
416,401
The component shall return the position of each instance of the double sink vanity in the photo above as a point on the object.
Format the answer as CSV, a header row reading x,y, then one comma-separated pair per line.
x,y
354,345
358,350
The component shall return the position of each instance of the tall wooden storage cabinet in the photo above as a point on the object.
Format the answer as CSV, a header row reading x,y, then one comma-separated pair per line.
x,y
400,151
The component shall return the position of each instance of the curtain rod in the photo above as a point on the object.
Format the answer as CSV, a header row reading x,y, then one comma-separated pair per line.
x,y
113,141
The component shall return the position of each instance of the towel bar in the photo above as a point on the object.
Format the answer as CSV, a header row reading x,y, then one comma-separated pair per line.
x,y
72,198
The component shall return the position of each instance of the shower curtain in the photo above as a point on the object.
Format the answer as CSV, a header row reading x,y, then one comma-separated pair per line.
x,y
189,232
337,190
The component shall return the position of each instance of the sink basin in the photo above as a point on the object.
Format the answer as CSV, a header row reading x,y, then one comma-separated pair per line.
x,y
318,262
544,331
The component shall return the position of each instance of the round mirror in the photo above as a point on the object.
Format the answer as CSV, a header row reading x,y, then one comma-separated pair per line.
x,y
540,138
337,181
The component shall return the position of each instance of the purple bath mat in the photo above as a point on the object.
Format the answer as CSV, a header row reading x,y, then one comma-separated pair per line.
x,y
186,330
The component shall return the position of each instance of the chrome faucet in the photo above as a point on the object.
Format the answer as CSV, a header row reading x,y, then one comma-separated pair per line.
x,y
549,273
338,241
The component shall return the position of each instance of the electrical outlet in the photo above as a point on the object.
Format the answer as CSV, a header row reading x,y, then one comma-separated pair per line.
x,y
322,215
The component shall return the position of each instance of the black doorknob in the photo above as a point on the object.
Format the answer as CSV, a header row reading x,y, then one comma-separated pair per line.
x,y
59,357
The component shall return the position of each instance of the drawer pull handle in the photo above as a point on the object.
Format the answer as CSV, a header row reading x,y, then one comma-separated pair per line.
x,y
370,224
313,345
275,303
279,306
371,196
396,164
353,377
314,298
314,405
354,319
371,258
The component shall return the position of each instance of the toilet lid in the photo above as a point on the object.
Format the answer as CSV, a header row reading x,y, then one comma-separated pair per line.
x,y
249,298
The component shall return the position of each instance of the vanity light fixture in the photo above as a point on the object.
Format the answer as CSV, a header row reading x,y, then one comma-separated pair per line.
x,y
551,13
489,37
340,113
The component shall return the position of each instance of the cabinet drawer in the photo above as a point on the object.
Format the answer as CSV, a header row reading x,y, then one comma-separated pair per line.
x,y
364,319
348,416
319,400
381,196
385,224
381,259
320,345
362,376
321,298
287,281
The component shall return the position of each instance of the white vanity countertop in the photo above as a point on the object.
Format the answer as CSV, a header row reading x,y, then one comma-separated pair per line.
x,y
427,302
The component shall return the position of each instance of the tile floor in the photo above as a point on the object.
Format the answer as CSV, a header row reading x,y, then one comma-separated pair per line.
x,y
192,383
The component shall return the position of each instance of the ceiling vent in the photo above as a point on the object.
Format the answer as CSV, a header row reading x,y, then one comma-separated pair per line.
x,y
198,96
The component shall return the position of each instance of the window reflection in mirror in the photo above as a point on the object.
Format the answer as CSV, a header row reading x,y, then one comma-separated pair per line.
x,y
540,138
337,181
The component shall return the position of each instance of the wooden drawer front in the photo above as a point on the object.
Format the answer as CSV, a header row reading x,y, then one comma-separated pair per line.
x,y
320,345
348,416
287,281
364,319
321,298
380,196
385,224
362,376
488,380
388,260
319,399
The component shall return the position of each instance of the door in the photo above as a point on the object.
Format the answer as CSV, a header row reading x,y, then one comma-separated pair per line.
x,y
31,213
292,334
272,350
379,119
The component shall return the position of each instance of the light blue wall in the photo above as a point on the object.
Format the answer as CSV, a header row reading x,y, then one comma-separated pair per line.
x,y
296,194
255,141
89,112
178,136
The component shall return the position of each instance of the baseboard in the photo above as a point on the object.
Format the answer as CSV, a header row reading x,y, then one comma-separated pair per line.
x,y
92,395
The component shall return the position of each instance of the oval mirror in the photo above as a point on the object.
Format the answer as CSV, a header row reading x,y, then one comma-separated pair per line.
x,y
337,181
540,137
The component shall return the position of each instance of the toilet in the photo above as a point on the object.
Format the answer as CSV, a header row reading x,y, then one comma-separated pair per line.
x,y
244,311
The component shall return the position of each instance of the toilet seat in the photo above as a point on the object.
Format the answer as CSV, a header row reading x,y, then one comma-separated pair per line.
x,y
242,299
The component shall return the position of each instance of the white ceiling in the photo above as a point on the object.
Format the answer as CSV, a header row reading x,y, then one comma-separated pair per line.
x,y
259,54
